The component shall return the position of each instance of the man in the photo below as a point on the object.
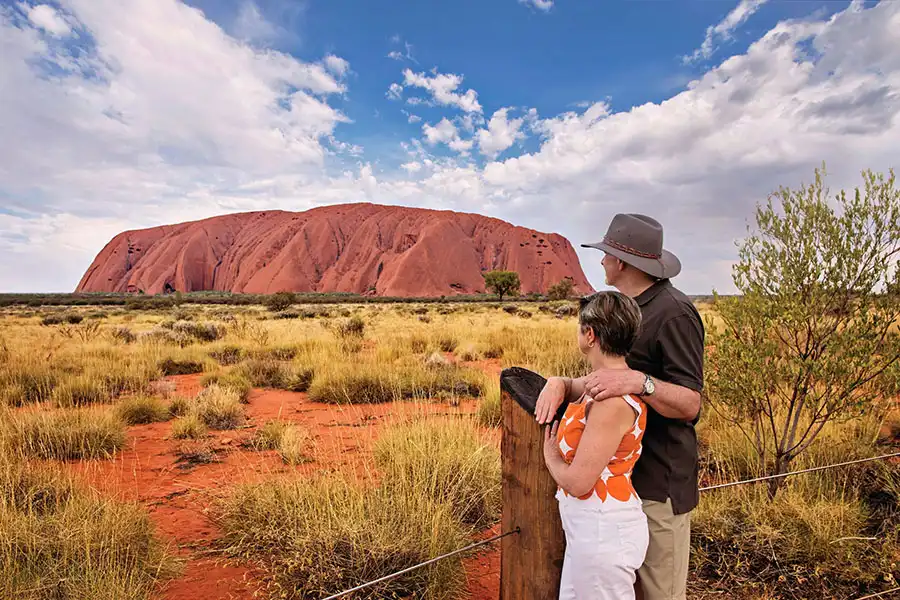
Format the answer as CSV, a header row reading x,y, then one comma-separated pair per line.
x,y
666,369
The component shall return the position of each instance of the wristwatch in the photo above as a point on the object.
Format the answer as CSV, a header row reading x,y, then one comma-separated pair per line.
x,y
649,386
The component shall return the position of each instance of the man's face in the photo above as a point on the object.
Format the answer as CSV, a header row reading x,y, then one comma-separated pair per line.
x,y
612,267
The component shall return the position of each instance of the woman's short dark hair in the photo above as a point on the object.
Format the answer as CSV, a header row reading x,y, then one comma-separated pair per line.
x,y
614,318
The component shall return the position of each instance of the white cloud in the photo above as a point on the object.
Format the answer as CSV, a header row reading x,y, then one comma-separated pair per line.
x,y
460,145
250,24
410,117
152,101
544,5
47,18
337,65
501,133
442,133
442,87
398,55
723,30
395,92
192,123
445,132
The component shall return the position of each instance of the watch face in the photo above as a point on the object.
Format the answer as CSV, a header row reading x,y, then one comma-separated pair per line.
x,y
648,386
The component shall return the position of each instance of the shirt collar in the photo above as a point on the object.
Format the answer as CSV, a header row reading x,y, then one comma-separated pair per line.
x,y
652,292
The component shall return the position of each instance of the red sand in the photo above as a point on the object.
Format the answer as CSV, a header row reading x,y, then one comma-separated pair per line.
x,y
360,248
179,497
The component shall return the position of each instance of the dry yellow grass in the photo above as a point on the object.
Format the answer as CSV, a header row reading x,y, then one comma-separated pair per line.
x,y
60,540
401,352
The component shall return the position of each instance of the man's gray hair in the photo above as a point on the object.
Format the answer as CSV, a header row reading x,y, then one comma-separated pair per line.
x,y
614,318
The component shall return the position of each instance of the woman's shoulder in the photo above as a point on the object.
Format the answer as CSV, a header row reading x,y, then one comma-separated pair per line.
x,y
616,407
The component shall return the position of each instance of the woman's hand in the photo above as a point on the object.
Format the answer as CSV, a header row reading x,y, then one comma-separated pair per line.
x,y
550,399
551,447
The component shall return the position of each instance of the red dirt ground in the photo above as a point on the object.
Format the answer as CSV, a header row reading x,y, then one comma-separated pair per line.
x,y
178,495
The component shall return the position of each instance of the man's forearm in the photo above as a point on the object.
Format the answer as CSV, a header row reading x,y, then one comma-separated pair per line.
x,y
674,401
574,388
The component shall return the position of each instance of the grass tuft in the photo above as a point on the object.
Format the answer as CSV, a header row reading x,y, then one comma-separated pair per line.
x,y
62,434
141,410
188,427
321,536
446,460
60,540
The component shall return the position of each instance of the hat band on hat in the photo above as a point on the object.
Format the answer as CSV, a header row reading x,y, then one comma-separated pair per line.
x,y
630,250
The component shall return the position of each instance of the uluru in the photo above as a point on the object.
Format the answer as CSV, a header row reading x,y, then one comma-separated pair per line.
x,y
357,248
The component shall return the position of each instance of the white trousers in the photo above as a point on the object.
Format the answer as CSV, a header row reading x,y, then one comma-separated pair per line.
x,y
605,546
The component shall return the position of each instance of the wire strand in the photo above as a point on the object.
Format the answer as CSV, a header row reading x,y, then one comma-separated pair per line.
x,y
427,562
769,477
703,489
880,594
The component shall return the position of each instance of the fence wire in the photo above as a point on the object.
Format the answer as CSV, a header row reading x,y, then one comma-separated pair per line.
x,y
703,489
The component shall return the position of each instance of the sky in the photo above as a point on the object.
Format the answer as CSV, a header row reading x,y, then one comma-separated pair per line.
x,y
549,114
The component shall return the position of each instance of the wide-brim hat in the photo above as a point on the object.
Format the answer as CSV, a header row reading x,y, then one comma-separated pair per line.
x,y
638,240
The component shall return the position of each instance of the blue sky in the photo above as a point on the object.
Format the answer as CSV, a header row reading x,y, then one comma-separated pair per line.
x,y
551,114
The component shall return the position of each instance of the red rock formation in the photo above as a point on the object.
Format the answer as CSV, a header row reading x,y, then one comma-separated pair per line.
x,y
359,248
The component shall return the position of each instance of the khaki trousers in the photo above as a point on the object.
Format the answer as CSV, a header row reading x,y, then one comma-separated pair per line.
x,y
663,576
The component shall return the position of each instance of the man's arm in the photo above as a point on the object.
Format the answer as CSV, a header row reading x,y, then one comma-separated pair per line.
x,y
673,401
680,346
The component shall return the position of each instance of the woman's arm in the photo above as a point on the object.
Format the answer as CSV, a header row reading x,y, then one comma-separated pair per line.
x,y
607,423
555,392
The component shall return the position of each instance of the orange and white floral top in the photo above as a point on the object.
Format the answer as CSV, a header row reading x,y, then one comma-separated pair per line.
x,y
615,481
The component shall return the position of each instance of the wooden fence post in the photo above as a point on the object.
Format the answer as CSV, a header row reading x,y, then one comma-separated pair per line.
x,y
530,562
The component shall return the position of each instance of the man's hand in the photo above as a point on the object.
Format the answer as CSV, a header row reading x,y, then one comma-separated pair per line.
x,y
551,448
551,398
612,383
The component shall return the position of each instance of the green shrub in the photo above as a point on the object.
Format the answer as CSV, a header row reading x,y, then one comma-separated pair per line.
x,y
280,301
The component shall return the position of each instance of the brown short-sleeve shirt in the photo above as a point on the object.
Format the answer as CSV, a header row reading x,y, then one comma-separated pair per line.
x,y
669,348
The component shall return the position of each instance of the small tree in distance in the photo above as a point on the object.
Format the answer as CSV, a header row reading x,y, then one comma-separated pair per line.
x,y
502,283
561,290
812,338
280,301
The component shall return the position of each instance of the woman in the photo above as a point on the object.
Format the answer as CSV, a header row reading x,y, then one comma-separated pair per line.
x,y
591,453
